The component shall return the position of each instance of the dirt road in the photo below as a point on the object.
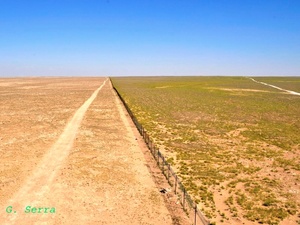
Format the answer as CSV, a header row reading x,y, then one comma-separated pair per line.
x,y
94,173
273,86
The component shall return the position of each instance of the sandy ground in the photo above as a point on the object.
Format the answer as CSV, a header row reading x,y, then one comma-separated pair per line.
x,y
77,163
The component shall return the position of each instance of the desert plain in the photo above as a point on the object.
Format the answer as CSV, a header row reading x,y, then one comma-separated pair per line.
x,y
68,155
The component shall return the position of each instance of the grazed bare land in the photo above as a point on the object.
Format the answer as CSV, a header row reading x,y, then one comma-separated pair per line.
x,y
234,142
101,178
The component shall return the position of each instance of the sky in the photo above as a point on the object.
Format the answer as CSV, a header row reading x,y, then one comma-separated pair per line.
x,y
149,37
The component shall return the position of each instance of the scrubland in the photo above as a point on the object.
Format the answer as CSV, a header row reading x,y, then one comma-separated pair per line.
x,y
234,143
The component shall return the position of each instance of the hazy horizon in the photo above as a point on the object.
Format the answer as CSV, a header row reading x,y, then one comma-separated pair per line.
x,y
71,76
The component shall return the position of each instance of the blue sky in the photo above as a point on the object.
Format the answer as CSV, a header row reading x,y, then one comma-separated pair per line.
x,y
149,37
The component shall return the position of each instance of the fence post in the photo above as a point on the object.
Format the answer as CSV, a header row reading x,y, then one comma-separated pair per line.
x,y
195,214
151,147
175,184
152,152
183,200
168,174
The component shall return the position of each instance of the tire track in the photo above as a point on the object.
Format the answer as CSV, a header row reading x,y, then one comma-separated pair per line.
x,y
33,190
273,86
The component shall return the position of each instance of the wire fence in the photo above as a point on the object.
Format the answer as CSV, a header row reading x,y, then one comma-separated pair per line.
x,y
189,206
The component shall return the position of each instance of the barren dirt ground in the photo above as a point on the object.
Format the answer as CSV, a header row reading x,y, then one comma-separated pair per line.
x,y
65,148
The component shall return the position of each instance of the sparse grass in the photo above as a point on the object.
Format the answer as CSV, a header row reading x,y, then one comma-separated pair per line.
x,y
225,129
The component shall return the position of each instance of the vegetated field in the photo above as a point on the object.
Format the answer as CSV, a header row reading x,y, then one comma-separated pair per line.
x,y
234,143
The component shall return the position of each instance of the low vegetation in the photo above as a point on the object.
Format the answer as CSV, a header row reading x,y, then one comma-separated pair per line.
x,y
231,140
